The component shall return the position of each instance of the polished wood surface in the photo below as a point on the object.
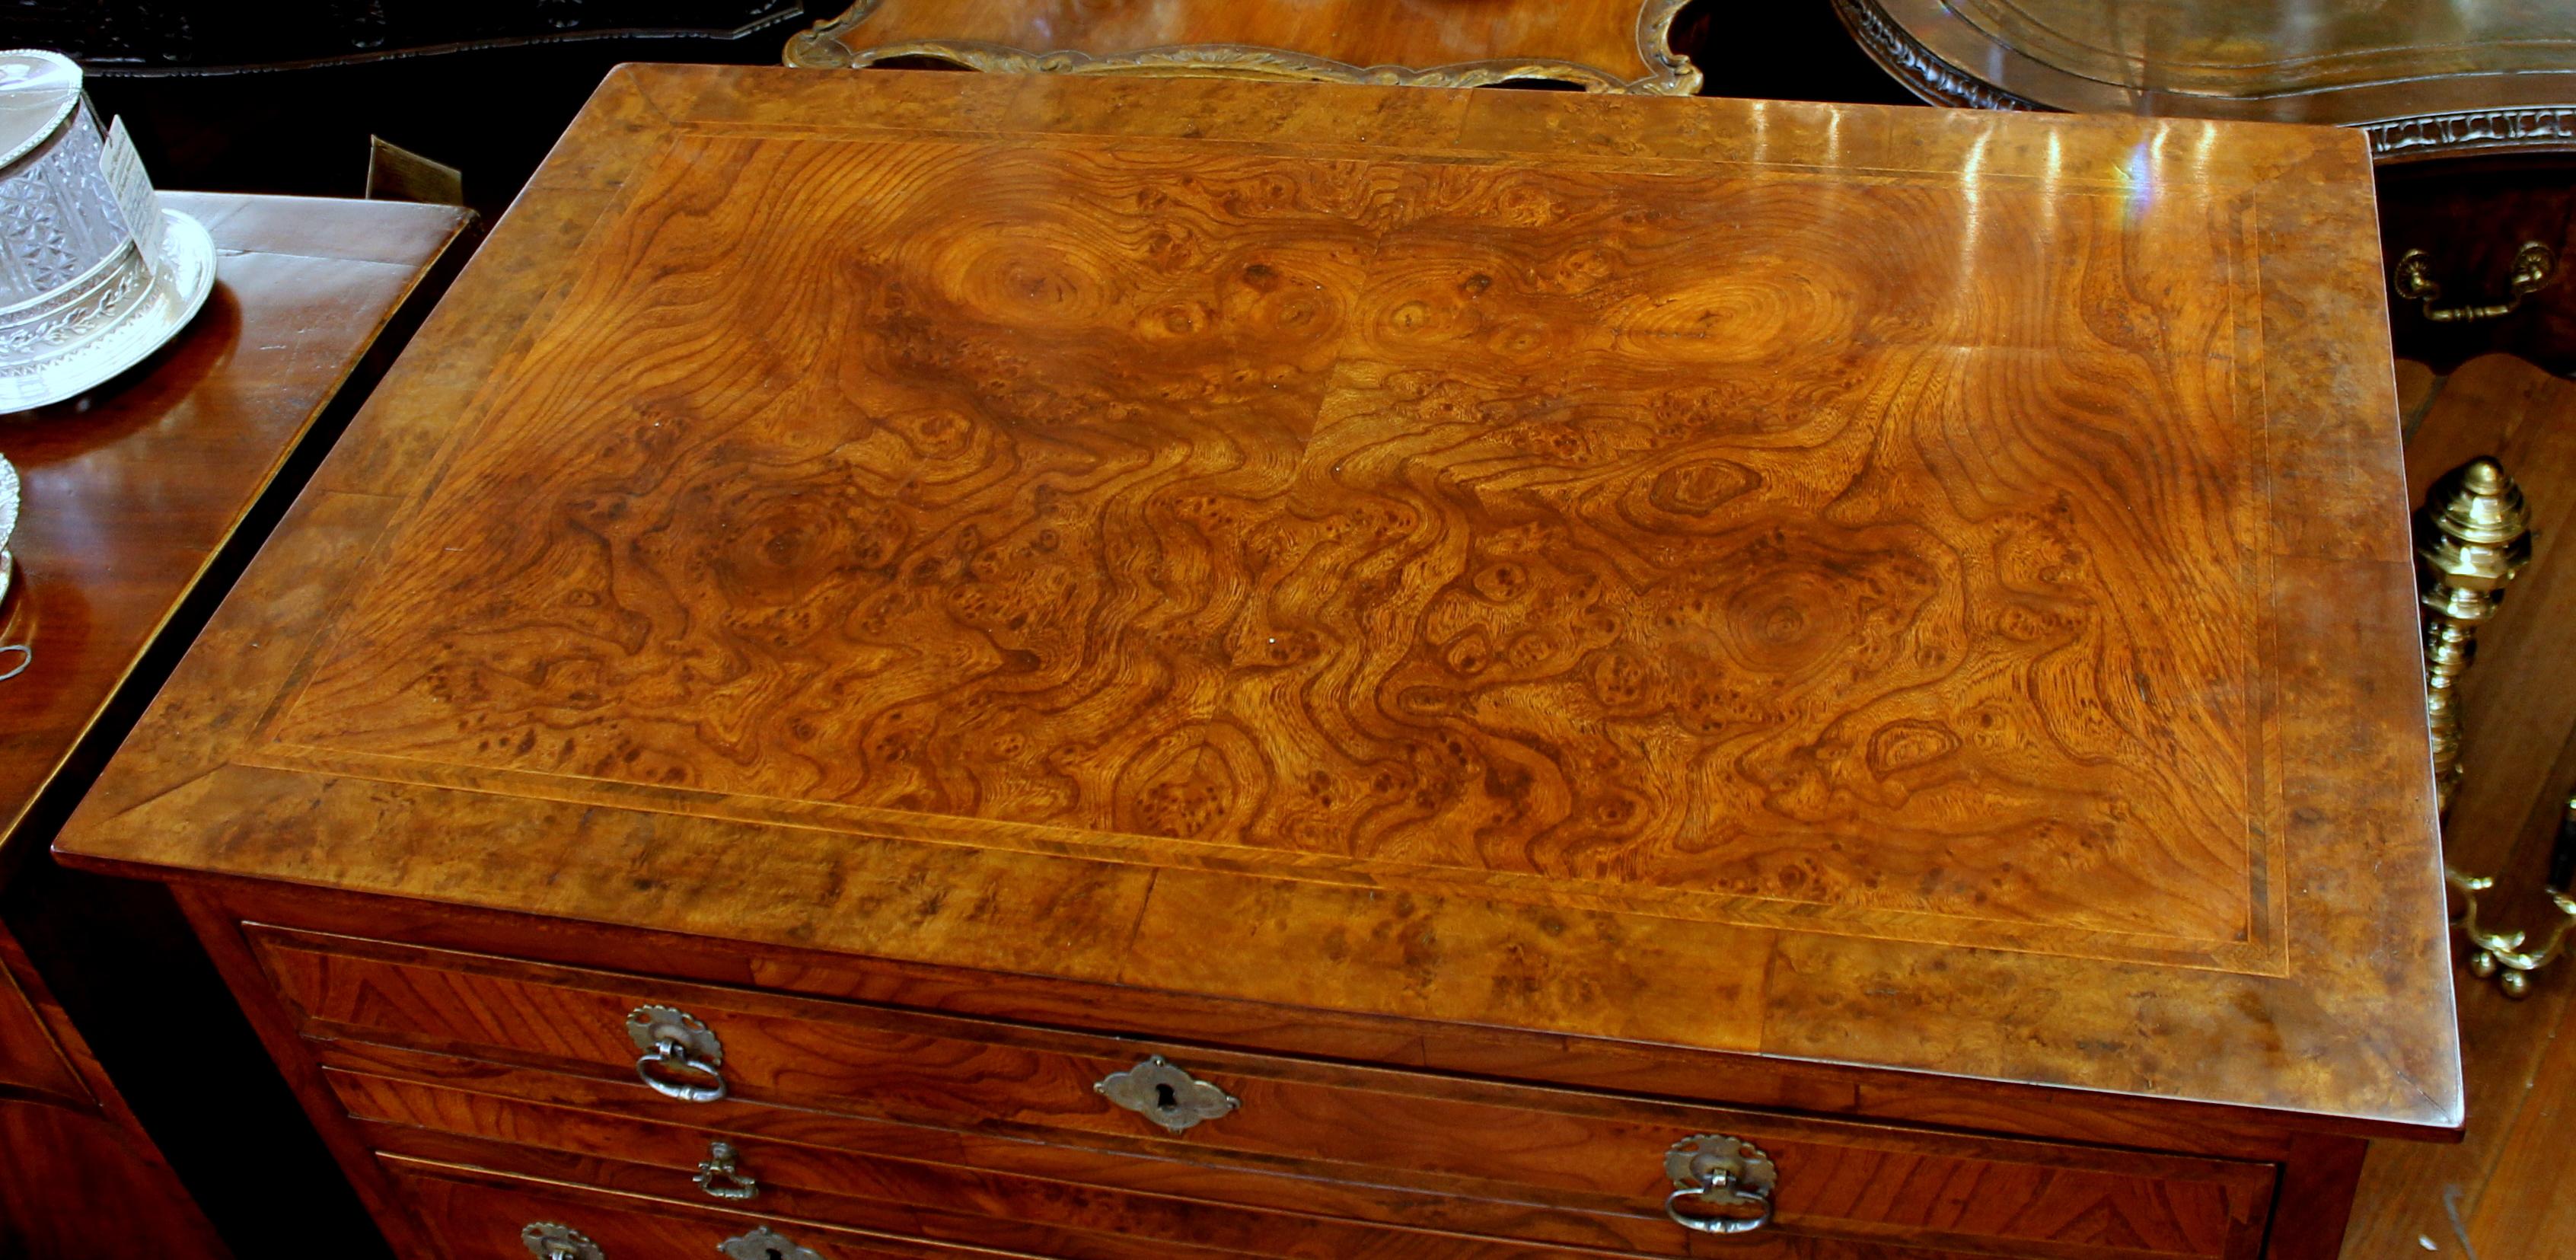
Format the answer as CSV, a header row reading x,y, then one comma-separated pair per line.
x,y
1544,1166
2425,80
1504,574
2519,711
483,1213
1579,583
998,1191
1600,45
132,495
131,491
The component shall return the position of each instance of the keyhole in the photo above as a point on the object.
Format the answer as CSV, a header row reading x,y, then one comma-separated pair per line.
x,y
776,1254
1165,1099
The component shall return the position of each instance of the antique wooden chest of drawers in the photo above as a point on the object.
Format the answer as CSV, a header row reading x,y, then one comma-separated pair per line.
x,y
930,665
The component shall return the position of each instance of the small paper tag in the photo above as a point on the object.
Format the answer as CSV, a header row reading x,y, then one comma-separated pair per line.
x,y
132,189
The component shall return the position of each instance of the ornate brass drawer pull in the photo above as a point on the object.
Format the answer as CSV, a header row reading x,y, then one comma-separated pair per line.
x,y
720,1165
674,1043
765,1243
1731,1176
2534,267
1165,1094
548,1241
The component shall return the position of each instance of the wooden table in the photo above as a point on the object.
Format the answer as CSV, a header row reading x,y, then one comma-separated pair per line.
x,y
141,501
2470,110
1499,633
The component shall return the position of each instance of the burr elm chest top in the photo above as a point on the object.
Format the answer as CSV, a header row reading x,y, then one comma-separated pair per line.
x,y
1887,613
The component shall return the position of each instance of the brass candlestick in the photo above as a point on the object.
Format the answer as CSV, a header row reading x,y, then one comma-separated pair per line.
x,y
2472,536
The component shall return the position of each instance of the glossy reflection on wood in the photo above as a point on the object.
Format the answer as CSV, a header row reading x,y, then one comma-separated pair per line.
x,y
133,497
2425,81
1725,582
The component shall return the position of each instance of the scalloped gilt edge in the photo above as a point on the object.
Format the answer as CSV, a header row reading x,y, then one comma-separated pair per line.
x,y
824,47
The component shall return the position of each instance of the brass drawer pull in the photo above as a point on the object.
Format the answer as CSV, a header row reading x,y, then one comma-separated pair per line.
x,y
720,1165
1165,1094
674,1043
765,1243
2534,266
548,1241
1714,1171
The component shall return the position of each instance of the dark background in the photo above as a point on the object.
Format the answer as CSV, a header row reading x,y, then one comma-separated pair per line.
x,y
281,97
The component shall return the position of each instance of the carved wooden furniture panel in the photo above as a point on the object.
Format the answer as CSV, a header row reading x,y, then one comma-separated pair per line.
x,y
1439,614
1598,45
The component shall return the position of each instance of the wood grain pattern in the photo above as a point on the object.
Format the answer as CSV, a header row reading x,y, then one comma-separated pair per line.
x,y
1695,582
483,1214
1819,1089
1591,1152
109,542
752,609
133,496
963,1178
483,1210
1459,620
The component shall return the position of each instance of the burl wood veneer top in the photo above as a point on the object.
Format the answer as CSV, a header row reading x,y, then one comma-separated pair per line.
x,y
1891,586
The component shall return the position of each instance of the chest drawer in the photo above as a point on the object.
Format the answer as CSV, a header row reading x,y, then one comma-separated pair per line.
x,y
627,1205
479,1215
1600,1156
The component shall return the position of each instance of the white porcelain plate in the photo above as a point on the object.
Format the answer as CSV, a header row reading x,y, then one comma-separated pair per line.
x,y
8,526
183,277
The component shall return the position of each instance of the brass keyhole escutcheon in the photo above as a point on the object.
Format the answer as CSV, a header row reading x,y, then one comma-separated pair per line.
x,y
1166,1095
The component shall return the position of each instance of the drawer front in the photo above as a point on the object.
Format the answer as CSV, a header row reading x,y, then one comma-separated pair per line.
x,y
477,1212
477,1215
952,1187
1566,1150
946,1205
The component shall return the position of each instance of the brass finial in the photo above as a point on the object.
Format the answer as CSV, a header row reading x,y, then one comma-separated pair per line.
x,y
2472,536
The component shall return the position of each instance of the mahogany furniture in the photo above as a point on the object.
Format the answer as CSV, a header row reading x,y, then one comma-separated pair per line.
x,y
2470,110
916,662
1597,45
139,500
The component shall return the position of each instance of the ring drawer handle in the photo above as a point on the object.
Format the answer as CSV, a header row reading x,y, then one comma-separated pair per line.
x,y
1715,1171
675,1044
548,1241
720,1165
1165,1094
